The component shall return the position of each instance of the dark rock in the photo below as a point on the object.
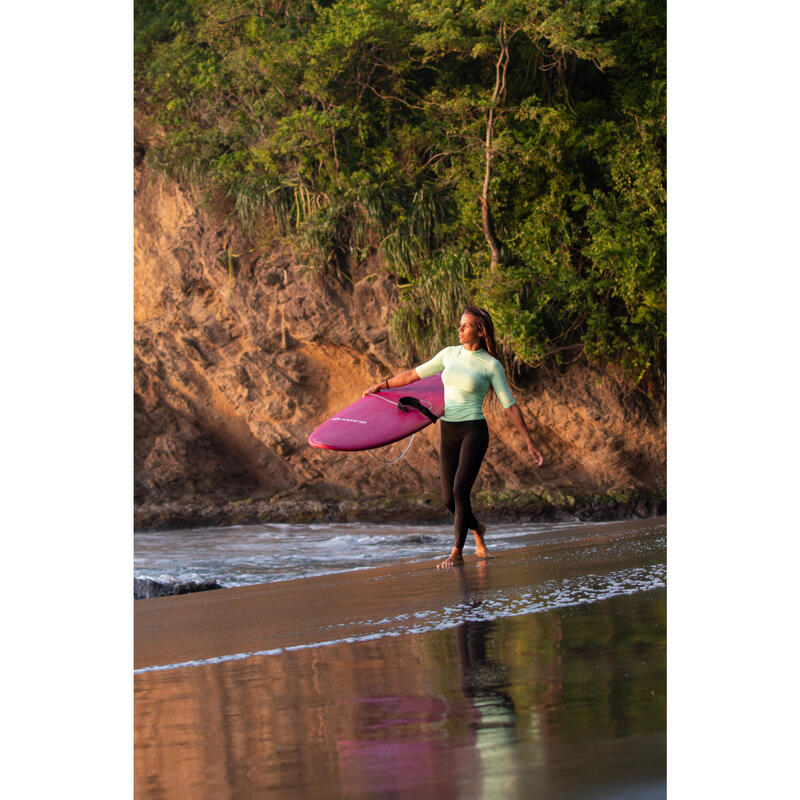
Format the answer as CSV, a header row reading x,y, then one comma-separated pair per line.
x,y
144,588
642,509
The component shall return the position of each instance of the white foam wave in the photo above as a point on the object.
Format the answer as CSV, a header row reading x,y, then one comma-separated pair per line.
x,y
254,554
552,594
242,565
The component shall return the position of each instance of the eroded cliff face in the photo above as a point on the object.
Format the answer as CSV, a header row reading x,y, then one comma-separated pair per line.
x,y
237,360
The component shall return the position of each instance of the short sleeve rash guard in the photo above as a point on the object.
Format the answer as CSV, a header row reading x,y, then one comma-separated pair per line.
x,y
467,375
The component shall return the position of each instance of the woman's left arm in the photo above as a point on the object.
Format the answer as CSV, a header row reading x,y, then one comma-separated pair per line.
x,y
500,386
515,415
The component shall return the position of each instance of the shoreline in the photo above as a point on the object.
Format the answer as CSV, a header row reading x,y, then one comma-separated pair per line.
x,y
297,507
345,605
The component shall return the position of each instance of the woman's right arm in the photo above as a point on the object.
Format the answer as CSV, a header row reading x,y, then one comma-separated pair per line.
x,y
409,376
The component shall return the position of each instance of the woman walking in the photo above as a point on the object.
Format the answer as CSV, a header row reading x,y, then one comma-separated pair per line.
x,y
468,370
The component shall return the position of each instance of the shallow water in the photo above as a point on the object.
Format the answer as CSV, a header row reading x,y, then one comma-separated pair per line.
x,y
539,674
249,554
562,704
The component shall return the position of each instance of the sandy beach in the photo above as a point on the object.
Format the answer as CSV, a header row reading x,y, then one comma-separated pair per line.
x,y
538,673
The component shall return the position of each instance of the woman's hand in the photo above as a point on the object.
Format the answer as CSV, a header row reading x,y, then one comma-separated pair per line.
x,y
535,453
376,387
515,415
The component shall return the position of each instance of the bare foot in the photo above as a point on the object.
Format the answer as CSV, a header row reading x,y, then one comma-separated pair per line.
x,y
453,560
480,545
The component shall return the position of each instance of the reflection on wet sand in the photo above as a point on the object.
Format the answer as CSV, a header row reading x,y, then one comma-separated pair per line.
x,y
563,703
485,682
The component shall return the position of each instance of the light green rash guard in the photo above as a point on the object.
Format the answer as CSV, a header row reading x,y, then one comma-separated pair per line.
x,y
467,375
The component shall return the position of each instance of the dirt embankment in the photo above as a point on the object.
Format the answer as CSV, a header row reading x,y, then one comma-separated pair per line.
x,y
239,356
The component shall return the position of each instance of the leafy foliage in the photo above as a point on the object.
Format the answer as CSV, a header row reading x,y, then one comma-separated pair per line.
x,y
352,125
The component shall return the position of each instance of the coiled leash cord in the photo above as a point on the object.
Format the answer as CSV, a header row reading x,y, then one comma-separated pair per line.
x,y
391,461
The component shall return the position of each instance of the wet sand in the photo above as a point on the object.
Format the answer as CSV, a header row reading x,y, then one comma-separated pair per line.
x,y
539,673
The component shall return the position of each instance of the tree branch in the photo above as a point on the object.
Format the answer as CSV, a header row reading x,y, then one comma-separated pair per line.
x,y
501,66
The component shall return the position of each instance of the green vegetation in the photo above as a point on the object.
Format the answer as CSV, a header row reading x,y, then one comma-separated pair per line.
x,y
507,152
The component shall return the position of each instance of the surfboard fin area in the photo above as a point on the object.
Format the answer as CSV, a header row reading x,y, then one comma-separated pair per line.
x,y
382,418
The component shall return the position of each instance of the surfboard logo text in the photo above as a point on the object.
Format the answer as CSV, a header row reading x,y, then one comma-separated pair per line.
x,y
345,419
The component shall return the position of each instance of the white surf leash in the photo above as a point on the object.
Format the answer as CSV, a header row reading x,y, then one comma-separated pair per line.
x,y
385,399
387,461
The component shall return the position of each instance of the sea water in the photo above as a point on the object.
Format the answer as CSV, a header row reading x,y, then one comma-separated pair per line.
x,y
541,673
248,554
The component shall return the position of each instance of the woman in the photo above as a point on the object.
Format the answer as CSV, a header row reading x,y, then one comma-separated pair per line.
x,y
468,370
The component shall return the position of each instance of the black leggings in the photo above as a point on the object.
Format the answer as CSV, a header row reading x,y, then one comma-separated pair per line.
x,y
460,456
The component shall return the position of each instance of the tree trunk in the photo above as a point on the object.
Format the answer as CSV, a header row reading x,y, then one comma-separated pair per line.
x,y
497,97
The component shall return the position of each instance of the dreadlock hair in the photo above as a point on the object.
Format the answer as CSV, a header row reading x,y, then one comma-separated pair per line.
x,y
485,328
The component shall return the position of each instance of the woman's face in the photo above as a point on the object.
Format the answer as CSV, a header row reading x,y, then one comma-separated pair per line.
x,y
468,331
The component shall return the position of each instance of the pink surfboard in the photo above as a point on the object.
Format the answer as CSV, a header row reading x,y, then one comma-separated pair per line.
x,y
380,419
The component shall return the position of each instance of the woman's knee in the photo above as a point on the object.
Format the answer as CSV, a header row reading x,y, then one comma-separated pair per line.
x,y
462,490
448,498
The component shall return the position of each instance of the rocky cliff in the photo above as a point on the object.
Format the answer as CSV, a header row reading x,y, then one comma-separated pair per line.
x,y
238,356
